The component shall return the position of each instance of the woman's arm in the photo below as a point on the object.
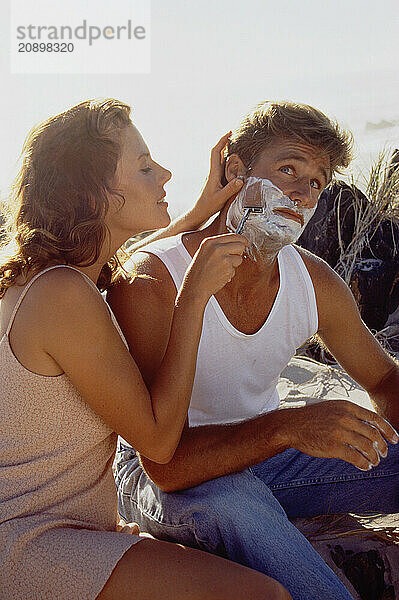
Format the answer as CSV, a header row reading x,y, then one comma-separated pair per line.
x,y
214,196
77,332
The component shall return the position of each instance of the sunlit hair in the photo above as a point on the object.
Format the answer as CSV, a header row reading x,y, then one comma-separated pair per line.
x,y
288,120
55,213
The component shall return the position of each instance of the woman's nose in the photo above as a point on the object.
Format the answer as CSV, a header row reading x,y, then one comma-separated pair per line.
x,y
165,175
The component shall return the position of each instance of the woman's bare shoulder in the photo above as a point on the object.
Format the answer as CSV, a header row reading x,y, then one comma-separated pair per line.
x,y
60,293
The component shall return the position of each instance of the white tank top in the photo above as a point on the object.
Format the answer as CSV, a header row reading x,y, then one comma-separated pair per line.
x,y
237,374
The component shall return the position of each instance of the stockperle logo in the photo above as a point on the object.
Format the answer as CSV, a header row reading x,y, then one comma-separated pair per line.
x,y
49,36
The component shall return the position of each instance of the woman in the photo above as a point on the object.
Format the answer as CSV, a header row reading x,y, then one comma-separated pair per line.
x,y
87,184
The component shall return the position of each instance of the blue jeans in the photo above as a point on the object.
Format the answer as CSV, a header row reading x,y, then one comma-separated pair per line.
x,y
245,516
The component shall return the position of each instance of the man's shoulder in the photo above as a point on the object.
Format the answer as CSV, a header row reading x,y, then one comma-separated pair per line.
x,y
145,265
320,272
333,295
147,259
148,280
156,258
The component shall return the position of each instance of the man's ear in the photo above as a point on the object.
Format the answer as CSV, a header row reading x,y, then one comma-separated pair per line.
x,y
234,167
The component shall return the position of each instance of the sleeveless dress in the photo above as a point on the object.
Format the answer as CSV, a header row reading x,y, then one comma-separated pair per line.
x,y
58,501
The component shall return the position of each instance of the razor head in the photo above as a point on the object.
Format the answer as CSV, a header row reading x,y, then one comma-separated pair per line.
x,y
253,198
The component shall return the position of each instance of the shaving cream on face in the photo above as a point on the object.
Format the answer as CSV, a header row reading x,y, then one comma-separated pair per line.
x,y
267,232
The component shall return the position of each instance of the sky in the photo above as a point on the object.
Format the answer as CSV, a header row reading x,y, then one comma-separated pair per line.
x,y
211,61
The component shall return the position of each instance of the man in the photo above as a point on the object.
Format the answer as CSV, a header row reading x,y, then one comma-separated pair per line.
x,y
243,468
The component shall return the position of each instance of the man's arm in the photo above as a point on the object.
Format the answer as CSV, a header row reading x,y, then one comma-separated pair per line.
x,y
350,341
385,397
212,451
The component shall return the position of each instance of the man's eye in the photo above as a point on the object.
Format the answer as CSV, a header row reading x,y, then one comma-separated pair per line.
x,y
315,184
146,170
288,170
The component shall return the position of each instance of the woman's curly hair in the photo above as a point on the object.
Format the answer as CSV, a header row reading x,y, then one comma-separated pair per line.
x,y
56,211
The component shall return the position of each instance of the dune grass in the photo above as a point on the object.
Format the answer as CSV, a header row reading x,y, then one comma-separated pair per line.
x,y
382,191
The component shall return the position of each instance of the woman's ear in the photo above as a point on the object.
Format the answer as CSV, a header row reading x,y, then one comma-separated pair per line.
x,y
234,167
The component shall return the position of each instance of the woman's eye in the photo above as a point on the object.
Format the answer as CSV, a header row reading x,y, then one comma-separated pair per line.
x,y
315,184
146,170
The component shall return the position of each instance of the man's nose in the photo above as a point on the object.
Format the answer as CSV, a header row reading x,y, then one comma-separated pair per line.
x,y
303,194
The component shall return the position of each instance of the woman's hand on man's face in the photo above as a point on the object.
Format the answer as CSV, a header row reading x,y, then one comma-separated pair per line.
x,y
214,195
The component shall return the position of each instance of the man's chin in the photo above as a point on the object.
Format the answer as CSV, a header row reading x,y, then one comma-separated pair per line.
x,y
266,246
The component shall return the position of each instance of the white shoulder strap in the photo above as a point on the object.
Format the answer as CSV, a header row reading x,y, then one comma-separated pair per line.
x,y
172,252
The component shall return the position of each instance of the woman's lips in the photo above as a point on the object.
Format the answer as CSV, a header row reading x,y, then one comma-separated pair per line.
x,y
290,214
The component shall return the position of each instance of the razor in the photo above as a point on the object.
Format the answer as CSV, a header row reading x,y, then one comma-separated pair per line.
x,y
252,204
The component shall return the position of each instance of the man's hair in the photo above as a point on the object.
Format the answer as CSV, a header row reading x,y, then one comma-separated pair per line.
x,y
300,122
